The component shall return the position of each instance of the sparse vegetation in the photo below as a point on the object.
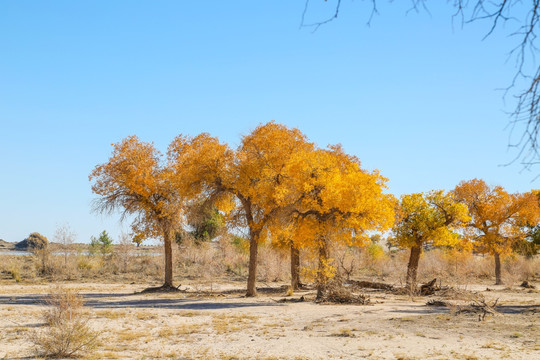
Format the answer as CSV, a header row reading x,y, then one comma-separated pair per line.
x,y
273,215
34,241
66,332
101,245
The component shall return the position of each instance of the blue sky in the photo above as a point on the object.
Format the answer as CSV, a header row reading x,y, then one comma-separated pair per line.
x,y
412,95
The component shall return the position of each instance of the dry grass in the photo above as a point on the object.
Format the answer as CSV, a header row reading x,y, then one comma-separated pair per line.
x,y
130,335
66,332
230,326
225,323
112,314
208,264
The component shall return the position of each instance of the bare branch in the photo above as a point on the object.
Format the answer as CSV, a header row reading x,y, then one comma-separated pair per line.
x,y
318,24
525,17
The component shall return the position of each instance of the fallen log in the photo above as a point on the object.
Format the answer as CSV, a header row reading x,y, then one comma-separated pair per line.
x,y
371,285
480,307
429,288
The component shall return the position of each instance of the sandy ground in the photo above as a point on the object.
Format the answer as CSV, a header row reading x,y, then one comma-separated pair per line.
x,y
189,325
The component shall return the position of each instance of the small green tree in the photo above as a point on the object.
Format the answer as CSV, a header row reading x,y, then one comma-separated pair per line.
x,y
530,245
209,225
101,245
205,223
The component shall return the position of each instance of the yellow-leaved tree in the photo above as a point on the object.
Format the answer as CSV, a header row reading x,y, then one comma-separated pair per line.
x,y
200,167
498,219
137,183
430,218
267,164
339,201
252,185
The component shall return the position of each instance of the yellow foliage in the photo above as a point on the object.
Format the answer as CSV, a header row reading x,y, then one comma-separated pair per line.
x,y
375,252
135,182
324,271
339,200
200,165
276,184
429,218
498,218
458,255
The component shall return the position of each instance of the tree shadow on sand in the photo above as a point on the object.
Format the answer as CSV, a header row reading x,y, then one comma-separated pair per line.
x,y
123,300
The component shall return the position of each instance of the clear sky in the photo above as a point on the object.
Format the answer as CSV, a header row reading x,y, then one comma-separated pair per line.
x,y
411,95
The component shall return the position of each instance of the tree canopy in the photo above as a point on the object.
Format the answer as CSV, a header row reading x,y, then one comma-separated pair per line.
x,y
278,186
338,201
136,182
430,218
498,219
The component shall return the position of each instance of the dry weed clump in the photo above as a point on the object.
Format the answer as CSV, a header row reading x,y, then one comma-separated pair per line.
x,y
201,261
517,269
17,268
336,293
235,256
273,264
478,307
66,332
210,262
348,261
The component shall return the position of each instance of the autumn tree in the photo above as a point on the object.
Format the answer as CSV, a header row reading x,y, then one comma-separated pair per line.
x,y
269,162
283,238
138,239
498,219
427,218
252,185
531,244
338,202
136,182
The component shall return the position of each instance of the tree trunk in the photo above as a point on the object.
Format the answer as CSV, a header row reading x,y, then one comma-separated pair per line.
x,y
322,277
295,268
498,278
412,267
168,260
252,274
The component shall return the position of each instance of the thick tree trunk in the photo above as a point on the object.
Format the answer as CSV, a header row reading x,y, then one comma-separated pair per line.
x,y
295,268
252,274
412,267
322,278
498,278
168,260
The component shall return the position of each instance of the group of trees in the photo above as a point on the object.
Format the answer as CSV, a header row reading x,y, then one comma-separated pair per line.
x,y
277,186
473,215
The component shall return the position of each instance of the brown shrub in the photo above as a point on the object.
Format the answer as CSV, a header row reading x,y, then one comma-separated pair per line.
x,y
273,264
66,332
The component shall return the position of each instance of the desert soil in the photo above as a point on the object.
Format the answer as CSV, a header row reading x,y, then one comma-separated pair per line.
x,y
226,325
